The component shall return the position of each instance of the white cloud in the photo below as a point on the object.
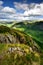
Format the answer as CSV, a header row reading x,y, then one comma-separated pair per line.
x,y
6,13
1,2
37,10
10,14
33,12
8,9
22,6
30,9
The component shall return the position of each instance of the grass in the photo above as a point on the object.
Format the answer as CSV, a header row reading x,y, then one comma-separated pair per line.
x,y
35,34
23,57
2,47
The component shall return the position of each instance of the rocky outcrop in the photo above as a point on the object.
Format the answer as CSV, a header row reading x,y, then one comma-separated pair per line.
x,y
8,38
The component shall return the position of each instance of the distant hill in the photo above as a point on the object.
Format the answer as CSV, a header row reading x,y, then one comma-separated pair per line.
x,y
33,25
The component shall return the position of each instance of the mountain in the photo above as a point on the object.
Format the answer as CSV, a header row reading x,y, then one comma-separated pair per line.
x,y
38,25
18,45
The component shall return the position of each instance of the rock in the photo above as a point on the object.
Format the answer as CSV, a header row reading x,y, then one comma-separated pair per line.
x,y
8,38
31,49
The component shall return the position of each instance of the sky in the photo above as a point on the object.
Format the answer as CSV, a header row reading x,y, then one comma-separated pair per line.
x,y
11,10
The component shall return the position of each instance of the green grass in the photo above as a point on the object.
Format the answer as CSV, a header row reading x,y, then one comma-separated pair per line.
x,y
35,34
16,58
2,46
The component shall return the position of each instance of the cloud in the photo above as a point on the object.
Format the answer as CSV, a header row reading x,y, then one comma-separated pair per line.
x,y
9,10
31,11
6,13
1,2
36,10
19,6
24,6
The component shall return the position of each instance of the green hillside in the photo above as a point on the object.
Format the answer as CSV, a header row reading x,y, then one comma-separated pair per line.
x,y
35,30
21,44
